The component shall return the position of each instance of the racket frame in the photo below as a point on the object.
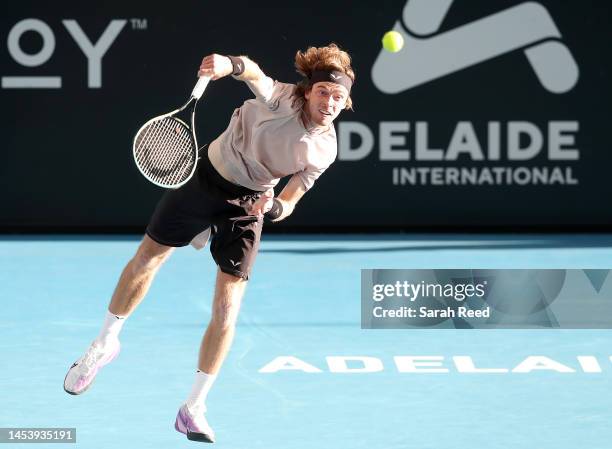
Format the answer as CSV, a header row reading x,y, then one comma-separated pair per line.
x,y
197,92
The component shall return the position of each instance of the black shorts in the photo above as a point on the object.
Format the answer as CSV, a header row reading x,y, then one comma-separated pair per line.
x,y
204,202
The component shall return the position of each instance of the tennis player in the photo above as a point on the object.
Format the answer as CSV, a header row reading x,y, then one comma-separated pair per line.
x,y
287,130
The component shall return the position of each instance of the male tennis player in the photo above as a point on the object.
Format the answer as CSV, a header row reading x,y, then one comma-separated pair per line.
x,y
286,130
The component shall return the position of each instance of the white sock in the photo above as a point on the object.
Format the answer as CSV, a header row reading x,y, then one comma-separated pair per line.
x,y
196,402
111,328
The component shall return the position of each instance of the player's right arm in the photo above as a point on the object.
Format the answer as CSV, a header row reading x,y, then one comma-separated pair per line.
x,y
217,66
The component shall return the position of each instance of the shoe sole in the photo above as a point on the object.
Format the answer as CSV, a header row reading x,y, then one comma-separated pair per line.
x,y
201,437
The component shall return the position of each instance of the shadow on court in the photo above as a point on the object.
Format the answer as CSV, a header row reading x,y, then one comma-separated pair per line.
x,y
436,244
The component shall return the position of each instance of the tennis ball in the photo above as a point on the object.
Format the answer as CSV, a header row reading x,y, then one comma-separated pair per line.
x,y
392,41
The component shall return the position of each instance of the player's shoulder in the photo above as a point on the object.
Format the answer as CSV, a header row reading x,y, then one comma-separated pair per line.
x,y
284,87
283,96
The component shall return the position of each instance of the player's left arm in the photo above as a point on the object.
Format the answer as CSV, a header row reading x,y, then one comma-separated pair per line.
x,y
289,197
298,185
281,207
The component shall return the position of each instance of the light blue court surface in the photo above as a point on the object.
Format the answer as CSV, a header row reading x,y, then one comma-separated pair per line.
x,y
303,301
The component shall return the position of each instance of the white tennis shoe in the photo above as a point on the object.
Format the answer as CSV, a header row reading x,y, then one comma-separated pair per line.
x,y
83,372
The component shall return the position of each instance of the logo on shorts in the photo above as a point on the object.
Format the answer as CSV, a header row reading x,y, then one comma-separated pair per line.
x,y
428,55
235,264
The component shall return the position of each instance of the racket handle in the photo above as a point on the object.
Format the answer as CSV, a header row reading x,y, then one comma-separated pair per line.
x,y
199,88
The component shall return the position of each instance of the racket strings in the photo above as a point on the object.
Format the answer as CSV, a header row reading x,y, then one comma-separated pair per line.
x,y
165,144
165,151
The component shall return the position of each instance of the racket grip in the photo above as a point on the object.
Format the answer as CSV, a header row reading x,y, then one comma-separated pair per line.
x,y
199,88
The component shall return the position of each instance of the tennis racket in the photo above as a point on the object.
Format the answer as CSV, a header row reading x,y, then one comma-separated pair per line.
x,y
166,148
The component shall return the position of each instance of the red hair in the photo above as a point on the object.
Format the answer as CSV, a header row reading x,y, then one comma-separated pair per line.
x,y
330,57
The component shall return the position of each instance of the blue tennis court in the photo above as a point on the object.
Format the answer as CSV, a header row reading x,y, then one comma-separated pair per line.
x,y
303,302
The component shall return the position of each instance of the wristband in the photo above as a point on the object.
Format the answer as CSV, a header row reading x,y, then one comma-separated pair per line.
x,y
276,210
237,65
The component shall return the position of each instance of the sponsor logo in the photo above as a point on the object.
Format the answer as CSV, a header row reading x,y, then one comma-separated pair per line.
x,y
94,50
424,364
428,55
509,147
474,153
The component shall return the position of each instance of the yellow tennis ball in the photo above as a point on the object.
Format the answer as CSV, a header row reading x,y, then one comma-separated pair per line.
x,y
393,41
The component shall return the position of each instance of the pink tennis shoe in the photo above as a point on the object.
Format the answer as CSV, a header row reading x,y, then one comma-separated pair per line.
x,y
195,427
83,372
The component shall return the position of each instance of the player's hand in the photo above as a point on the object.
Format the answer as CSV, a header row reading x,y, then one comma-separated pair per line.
x,y
263,204
215,66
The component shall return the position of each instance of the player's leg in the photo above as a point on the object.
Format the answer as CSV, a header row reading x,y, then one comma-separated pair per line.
x,y
133,285
234,247
176,220
229,290
137,276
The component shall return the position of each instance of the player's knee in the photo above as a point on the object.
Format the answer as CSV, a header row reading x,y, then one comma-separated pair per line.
x,y
150,256
145,263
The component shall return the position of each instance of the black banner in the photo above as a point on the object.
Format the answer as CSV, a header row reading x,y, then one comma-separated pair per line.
x,y
492,114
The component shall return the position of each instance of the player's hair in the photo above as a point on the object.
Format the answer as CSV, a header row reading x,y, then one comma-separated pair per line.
x,y
330,57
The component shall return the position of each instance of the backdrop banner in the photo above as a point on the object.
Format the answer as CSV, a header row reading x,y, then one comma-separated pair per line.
x,y
493,114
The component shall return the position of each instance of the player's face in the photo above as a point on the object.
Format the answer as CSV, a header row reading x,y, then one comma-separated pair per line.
x,y
324,101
